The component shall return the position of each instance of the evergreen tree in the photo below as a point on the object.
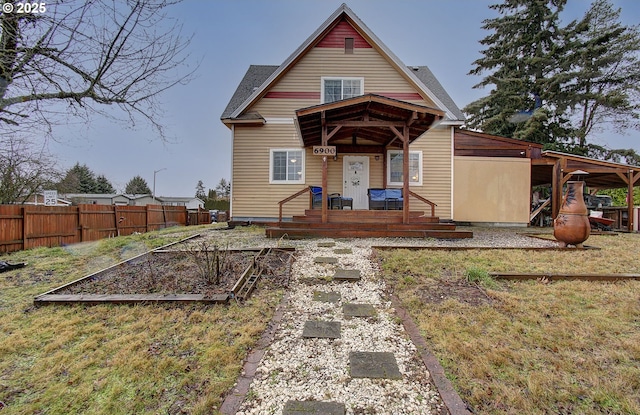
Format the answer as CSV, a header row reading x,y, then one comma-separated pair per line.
x,y
557,85
78,179
601,75
520,56
223,190
200,191
103,185
138,186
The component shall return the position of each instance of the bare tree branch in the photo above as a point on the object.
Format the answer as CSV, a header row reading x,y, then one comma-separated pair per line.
x,y
100,52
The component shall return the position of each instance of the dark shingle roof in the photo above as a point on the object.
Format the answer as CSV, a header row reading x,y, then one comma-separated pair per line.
x,y
255,76
425,75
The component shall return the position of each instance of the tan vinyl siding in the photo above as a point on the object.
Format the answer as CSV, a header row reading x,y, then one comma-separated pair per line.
x,y
492,190
253,195
436,146
379,77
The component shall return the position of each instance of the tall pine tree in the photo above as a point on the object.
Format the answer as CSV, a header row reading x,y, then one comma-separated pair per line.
x,y
601,77
521,69
553,84
103,185
138,186
78,179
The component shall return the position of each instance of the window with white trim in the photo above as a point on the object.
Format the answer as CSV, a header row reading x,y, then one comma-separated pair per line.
x,y
335,89
394,167
286,166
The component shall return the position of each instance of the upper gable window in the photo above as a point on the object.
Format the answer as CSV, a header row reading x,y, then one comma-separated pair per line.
x,y
348,45
335,89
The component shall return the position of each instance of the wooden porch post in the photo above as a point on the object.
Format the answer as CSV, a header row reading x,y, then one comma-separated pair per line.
x,y
556,189
324,171
405,174
630,201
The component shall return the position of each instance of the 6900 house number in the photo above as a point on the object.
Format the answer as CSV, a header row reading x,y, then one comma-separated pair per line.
x,y
324,150
24,8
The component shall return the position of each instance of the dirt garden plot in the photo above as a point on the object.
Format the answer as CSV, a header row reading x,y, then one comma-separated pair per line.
x,y
208,275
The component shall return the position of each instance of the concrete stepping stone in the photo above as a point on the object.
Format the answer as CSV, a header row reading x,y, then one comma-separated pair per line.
x,y
381,365
358,310
313,408
326,244
321,329
325,260
341,251
326,296
347,275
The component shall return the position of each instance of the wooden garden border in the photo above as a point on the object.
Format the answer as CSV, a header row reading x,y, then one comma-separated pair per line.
x,y
50,297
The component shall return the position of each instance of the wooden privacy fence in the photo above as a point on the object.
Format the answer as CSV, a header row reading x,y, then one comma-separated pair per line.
x,y
28,226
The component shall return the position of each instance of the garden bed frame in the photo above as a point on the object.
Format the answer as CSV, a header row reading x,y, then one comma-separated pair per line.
x,y
241,290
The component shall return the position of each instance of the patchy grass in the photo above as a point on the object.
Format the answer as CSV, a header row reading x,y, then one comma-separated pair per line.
x,y
111,359
561,348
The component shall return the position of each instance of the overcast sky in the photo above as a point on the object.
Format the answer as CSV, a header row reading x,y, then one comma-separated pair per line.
x,y
228,36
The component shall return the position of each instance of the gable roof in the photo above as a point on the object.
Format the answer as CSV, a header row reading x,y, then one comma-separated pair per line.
x,y
255,76
374,116
422,79
424,74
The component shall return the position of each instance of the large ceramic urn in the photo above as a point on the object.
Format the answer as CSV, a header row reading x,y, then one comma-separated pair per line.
x,y
571,226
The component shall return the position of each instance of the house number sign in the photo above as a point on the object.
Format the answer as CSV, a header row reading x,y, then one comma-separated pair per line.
x,y
324,150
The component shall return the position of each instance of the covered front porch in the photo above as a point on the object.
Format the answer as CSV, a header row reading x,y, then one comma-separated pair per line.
x,y
361,130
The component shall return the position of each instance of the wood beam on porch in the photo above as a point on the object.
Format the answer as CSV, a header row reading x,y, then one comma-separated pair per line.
x,y
344,149
405,175
325,140
367,123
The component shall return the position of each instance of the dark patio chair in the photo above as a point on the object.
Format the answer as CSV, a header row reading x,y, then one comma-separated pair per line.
x,y
334,199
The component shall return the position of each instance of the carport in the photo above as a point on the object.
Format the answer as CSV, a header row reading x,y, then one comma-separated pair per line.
x,y
552,168
555,169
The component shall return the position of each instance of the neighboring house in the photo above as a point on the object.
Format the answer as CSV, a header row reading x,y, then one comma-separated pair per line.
x,y
133,200
96,198
192,203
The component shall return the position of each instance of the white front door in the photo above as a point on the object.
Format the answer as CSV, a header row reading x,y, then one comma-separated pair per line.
x,y
355,174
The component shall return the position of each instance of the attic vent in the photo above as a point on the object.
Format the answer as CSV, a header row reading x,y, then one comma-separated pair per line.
x,y
415,68
348,45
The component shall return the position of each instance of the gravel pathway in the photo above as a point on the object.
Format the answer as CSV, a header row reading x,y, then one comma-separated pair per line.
x,y
317,369
295,368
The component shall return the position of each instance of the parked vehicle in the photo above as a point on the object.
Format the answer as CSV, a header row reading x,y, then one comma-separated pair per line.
x,y
597,201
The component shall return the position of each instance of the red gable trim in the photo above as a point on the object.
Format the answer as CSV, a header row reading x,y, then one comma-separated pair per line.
x,y
335,38
293,95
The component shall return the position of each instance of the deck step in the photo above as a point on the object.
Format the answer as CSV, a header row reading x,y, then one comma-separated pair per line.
x,y
425,226
364,216
344,232
342,219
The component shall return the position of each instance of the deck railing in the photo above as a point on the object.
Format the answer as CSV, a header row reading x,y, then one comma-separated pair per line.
x,y
290,198
306,190
428,202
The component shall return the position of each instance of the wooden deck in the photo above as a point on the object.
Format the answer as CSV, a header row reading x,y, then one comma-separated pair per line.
x,y
365,224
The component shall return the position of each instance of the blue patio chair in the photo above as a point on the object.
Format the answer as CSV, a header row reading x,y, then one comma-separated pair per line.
x,y
385,199
393,199
377,199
